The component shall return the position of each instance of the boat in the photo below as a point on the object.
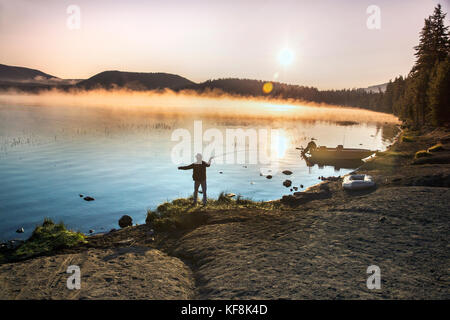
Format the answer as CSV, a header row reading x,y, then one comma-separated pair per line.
x,y
358,182
339,153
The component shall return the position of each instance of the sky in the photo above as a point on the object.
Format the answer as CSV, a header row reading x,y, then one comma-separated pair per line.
x,y
322,43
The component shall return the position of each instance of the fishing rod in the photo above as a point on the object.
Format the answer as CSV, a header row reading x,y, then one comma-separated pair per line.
x,y
232,152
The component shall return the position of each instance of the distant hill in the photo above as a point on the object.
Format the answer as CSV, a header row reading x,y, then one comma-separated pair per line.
x,y
20,74
134,81
377,88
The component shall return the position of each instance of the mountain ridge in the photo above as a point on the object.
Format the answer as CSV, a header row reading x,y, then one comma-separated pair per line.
x,y
15,73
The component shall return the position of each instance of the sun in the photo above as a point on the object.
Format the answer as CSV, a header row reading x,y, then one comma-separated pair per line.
x,y
285,57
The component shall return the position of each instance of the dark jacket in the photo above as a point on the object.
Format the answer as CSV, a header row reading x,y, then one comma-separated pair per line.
x,y
199,173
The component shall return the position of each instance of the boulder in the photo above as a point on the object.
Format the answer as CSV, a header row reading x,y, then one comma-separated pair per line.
x,y
125,221
287,183
299,198
287,172
269,177
87,198
331,178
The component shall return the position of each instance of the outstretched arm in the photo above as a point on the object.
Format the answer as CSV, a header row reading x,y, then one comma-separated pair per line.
x,y
191,166
209,162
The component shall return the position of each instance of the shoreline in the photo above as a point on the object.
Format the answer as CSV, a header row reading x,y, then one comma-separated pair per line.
x,y
295,250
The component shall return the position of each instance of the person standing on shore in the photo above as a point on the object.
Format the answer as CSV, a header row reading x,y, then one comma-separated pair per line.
x,y
198,175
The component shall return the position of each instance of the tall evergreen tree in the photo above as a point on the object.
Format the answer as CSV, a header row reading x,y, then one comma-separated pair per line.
x,y
439,93
440,34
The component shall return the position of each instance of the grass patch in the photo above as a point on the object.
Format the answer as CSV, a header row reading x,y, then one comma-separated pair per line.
x,y
47,238
422,154
436,148
181,214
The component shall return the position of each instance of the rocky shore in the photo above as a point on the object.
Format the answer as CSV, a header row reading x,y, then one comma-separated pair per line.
x,y
312,245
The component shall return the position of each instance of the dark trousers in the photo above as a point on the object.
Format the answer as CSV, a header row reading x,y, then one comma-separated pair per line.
x,y
196,185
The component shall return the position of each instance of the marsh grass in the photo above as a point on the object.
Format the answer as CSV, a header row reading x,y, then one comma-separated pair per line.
x,y
47,238
181,214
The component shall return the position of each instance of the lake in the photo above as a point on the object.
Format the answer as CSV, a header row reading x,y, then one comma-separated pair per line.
x,y
51,154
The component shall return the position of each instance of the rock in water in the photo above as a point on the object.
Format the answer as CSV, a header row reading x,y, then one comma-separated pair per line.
x,y
125,221
269,177
87,198
91,231
287,183
287,172
20,230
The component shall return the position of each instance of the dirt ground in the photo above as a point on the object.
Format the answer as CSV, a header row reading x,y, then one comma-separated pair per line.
x,y
318,250
122,273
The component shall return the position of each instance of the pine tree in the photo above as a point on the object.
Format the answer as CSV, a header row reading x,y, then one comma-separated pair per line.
x,y
439,93
440,34
425,52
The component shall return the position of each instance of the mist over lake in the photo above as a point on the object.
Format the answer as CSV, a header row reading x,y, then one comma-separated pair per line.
x,y
53,151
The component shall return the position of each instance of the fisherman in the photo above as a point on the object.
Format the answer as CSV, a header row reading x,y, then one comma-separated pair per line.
x,y
311,146
199,175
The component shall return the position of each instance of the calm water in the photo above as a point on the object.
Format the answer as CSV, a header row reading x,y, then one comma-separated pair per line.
x,y
50,155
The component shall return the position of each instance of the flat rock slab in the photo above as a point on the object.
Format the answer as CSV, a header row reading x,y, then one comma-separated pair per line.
x,y
124,273
324,253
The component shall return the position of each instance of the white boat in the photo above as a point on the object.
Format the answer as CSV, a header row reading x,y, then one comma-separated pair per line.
x,y
358,182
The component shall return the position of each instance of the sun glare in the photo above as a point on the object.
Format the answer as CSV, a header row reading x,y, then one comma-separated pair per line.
x,y
286,57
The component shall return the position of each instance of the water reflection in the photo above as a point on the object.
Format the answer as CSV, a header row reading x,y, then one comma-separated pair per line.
x,y
337,164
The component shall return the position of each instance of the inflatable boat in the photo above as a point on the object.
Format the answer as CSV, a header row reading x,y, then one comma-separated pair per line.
x,y
358,182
